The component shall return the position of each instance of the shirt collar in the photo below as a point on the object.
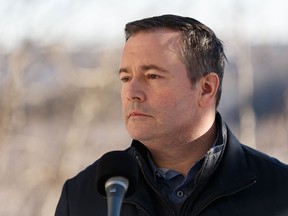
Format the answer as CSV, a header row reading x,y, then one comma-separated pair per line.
x,y
165,173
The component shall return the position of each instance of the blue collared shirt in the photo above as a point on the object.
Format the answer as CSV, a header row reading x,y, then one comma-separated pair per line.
x,y
173,184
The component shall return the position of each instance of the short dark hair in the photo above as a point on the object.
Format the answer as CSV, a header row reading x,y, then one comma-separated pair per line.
x,y
202,52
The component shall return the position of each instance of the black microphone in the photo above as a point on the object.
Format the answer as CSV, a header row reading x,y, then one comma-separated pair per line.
x,y
116,178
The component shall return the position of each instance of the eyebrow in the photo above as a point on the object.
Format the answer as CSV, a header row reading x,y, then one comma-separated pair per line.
x,y
123,70
144,68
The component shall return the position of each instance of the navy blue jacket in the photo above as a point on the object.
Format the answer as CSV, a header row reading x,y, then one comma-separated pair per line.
x,y
245,182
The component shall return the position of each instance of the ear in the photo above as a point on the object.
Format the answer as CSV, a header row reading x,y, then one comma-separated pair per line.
x,y
209,85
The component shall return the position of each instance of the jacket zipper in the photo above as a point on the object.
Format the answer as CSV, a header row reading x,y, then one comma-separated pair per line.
x,y
160,195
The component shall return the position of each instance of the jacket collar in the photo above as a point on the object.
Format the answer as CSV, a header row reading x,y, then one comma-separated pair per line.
x,y
211,160
233,173
229,175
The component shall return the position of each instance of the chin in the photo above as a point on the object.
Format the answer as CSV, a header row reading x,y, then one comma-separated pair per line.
x,y
139,135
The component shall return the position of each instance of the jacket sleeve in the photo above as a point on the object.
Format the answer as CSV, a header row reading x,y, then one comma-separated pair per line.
x,y
62,207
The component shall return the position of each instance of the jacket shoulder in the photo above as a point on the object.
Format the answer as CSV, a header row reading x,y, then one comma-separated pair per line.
x,y
262,162
87,172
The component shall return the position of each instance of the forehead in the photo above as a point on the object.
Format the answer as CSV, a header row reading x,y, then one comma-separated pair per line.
x,y
161,43
160,38
156,49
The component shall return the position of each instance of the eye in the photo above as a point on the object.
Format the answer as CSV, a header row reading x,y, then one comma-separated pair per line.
x,y
153,76
125,79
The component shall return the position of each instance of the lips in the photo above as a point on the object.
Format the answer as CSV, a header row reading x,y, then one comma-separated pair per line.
x,y
136,114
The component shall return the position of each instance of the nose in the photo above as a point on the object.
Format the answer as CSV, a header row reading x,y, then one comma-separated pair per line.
x,y
134,90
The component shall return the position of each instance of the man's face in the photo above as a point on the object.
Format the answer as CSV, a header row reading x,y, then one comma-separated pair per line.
x,y
158,100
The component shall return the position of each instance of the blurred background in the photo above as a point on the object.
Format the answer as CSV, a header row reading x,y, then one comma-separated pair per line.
x,y
59,88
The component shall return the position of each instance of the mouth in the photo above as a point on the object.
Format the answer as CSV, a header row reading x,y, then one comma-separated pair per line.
x,y
136,114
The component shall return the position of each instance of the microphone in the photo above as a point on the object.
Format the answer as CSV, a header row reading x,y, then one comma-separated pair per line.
x,y
116,178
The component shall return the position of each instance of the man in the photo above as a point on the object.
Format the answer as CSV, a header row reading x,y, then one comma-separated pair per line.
x,y
191,163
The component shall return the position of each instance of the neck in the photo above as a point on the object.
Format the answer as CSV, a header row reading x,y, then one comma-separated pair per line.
x,y
182,156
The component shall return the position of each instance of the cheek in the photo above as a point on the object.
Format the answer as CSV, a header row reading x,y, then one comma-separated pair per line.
x,y
176,95
122,93
123,96
166,103
123,103
178,102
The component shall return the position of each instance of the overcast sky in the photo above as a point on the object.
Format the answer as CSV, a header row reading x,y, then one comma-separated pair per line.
x,y
100,21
